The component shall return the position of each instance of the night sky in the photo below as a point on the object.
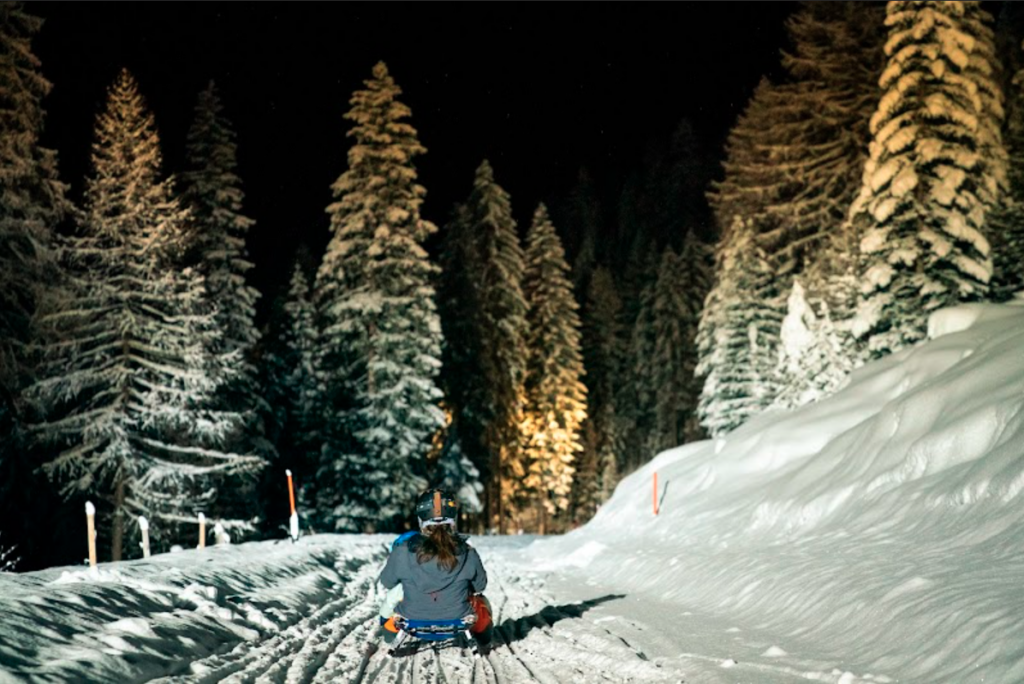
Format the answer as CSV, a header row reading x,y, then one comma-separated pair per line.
x,y
539,96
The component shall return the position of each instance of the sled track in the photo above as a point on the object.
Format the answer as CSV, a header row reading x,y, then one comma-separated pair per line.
x,y
535,640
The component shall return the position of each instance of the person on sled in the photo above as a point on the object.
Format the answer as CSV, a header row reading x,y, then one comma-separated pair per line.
x,y
435,574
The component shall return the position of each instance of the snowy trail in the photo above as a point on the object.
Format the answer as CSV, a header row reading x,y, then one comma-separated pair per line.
x,y
267,612
539,638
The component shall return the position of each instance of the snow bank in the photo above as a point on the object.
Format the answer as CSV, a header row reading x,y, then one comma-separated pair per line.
x,y
137,620
883,526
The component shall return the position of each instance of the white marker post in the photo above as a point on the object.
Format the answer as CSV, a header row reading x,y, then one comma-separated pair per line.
x,y
144,526
90,518
202,531
293,521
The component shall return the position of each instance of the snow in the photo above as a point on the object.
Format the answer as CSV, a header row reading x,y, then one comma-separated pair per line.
x,y
873,536
879,529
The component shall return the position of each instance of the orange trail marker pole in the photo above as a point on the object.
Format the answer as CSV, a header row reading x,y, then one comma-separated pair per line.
x,y
90,519
202,531
655,494
293,521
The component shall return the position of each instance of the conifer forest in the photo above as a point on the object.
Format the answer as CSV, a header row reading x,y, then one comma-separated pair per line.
x,y
167,351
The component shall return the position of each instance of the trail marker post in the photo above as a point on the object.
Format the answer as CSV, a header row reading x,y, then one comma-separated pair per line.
x,y
144,527
293,521
655,493
90,520
202,531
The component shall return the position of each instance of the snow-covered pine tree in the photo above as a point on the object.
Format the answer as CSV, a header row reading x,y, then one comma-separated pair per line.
x,y
555,394
31,196
454,472
919,209
821,136
985,70
496,275
31,204
693,280
461,362
215,247
604,359
738,335
296,389
125,380
380,328
812,360
639,389
1006,220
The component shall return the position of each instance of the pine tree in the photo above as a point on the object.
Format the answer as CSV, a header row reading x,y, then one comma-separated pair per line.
x,y
462,359
215,247
693,281
738,335
604,358
821,142
813,362
31,204
1006,221
498,266
639,391
125,380
296,391
555,394
922,205
678,296
380,328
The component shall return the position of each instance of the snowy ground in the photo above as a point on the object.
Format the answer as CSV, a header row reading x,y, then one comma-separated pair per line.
x,y
273,612
876,536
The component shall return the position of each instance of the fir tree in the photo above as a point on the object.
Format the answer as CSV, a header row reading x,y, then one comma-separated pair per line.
x,y
462,360
293,387
501,316
603,357
31,204
639,390
821,144
380,328
922,205
215,247
1006,221
678,295
125,380
738,335
31,197
555,394
813,362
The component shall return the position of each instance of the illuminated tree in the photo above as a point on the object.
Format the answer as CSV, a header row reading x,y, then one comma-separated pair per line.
x,y
738,335
380,330
923,202
126,381
1006,221
215,247
555,394
31,204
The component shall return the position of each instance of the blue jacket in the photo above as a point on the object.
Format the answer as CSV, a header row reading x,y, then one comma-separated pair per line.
x,y
431,592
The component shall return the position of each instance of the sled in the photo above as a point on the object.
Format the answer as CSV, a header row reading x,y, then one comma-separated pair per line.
x,y
434,631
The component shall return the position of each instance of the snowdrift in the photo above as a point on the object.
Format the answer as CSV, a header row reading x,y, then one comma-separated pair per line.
x,y
882,527
133,621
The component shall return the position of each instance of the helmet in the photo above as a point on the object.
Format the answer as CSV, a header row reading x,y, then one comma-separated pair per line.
x,y
436,507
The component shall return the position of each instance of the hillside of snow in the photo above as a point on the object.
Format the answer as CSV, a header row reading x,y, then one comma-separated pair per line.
x,y
883,526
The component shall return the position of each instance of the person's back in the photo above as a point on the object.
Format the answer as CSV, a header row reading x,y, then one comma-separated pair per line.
x,y
438,571
435,574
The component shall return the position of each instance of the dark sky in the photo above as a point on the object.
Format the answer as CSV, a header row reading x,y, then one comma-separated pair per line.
x,y
540,89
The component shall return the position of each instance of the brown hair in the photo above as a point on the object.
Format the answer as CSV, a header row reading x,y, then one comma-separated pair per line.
x,y
438,541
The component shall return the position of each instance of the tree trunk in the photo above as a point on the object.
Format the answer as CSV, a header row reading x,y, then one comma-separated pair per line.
x,y
117,535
